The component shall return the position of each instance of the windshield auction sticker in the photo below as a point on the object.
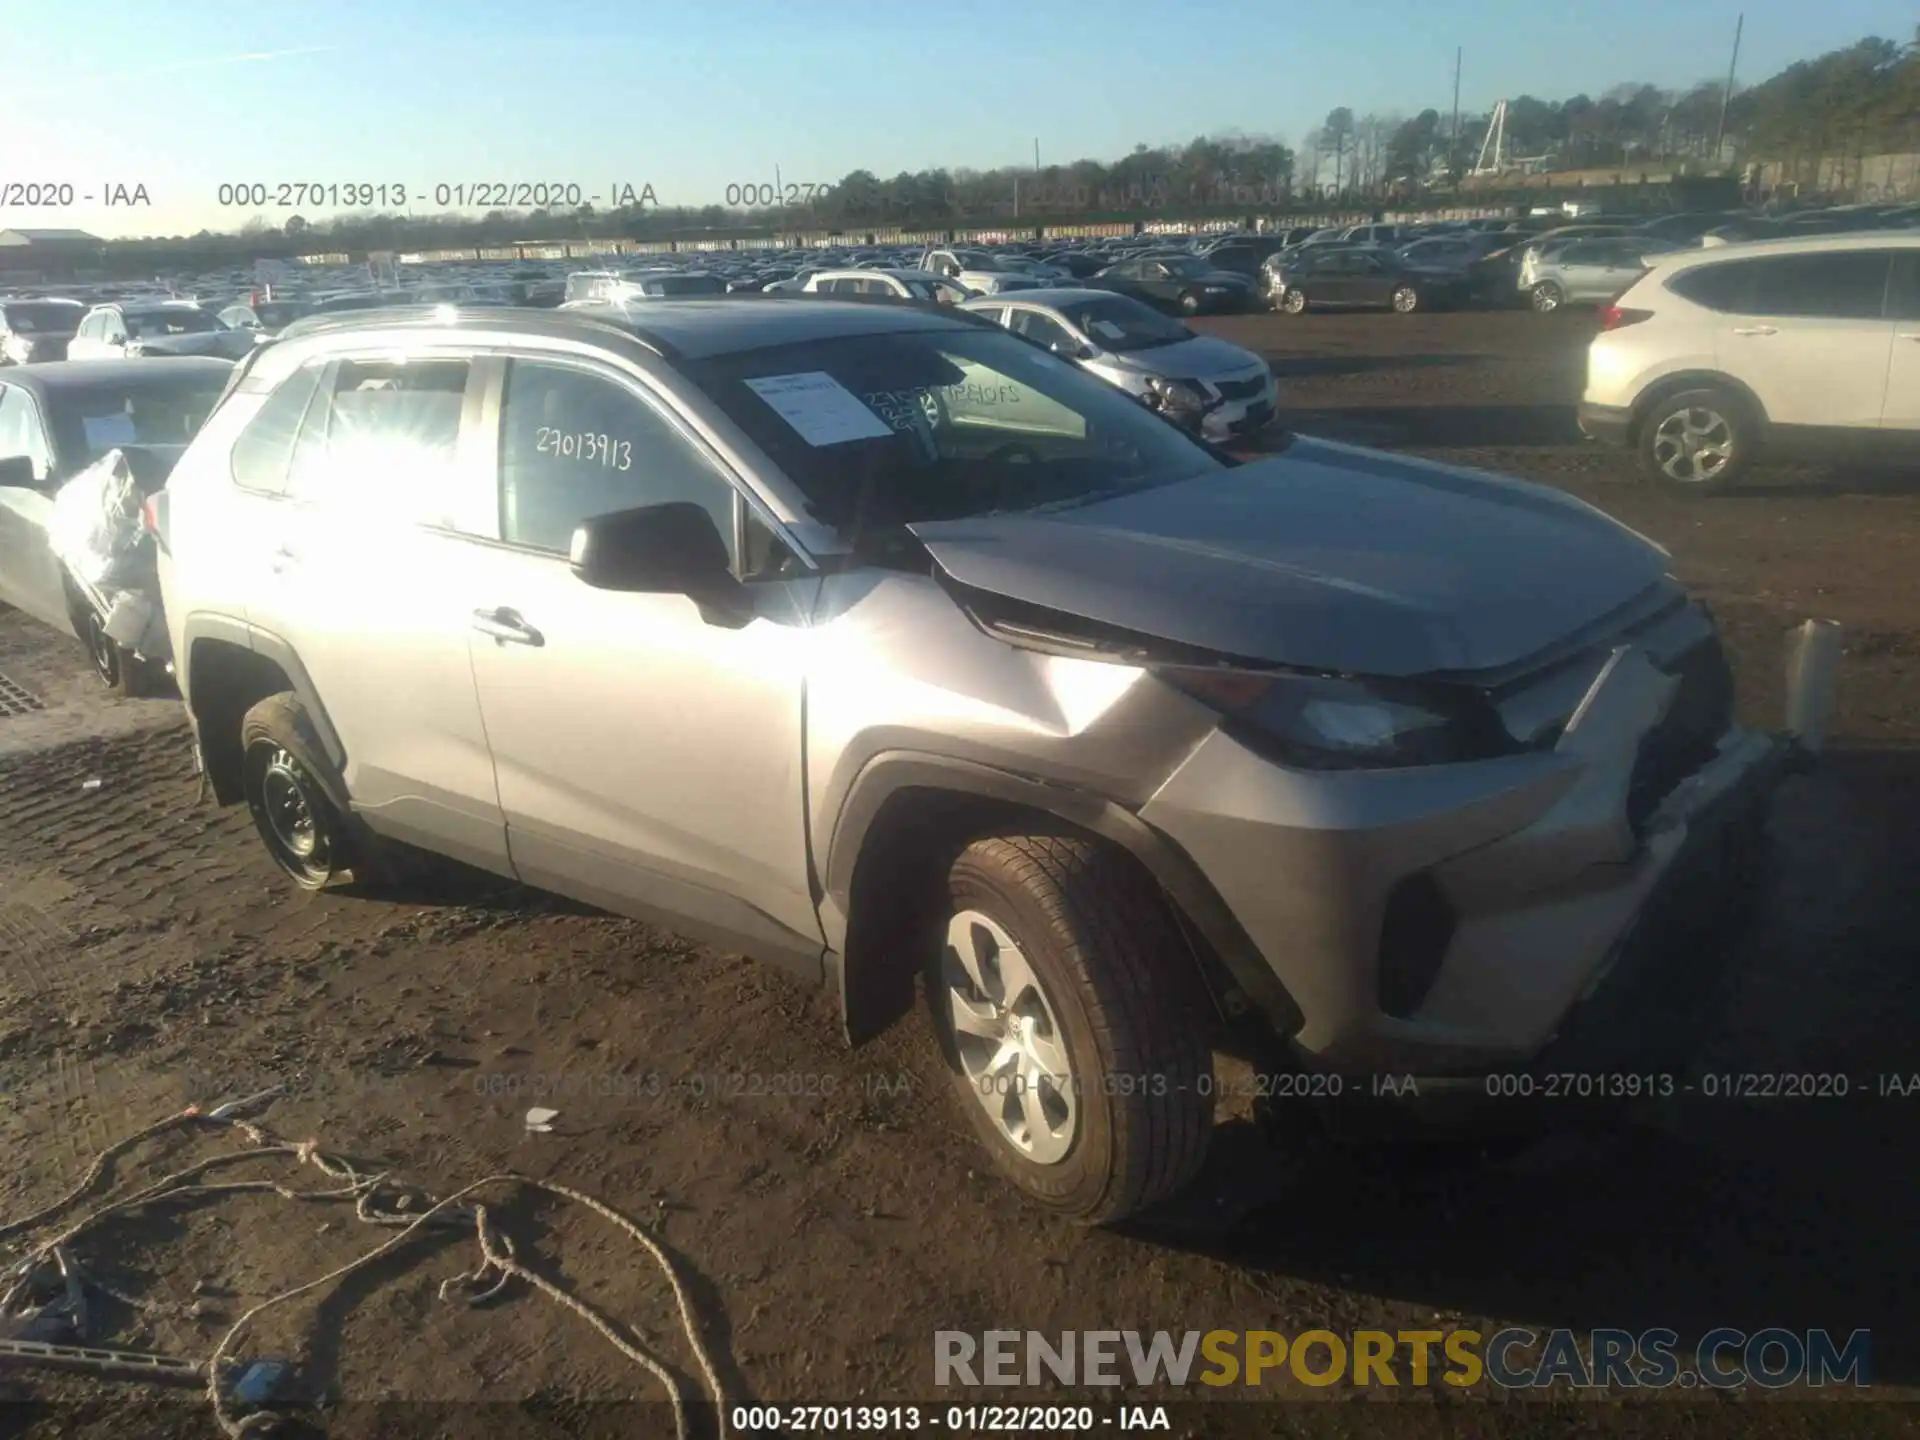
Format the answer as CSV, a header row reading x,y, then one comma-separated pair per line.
x,y
820,408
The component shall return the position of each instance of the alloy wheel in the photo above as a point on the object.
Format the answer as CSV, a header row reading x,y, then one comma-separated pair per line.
x,y
1693,445
1008,1039
1406,300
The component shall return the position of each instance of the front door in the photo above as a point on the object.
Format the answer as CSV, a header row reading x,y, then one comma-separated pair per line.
x,y
649,760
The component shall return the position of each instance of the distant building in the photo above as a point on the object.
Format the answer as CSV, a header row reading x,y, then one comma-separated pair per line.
x,y
47,252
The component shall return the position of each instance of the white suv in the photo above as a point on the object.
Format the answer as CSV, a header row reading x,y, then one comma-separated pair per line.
x,y
1777,345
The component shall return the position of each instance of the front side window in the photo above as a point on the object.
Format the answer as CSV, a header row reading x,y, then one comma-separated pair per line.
x,y
943,423
575,443
381,438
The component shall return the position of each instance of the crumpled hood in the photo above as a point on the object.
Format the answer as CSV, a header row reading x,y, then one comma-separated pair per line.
x,y
1325,557
1201,358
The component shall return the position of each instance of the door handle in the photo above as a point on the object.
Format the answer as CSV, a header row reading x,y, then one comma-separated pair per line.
x,y
1755,330
506,627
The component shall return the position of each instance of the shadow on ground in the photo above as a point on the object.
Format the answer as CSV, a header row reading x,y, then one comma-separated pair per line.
x,y
1704,1212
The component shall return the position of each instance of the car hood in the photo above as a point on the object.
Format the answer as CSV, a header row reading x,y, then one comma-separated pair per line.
x,y
1325,557
1201,358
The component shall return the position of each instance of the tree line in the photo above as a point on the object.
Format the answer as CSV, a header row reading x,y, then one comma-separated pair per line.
x,y
1861,99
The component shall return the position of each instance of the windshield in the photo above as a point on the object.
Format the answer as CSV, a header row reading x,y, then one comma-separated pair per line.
x,y
145,324
1188,266
1117,323
943,424
31,319
165,409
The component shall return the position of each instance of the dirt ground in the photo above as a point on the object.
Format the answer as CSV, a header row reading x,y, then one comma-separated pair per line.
x,y
150,955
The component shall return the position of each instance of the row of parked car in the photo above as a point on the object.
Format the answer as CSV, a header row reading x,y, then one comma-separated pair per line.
x,y
889,644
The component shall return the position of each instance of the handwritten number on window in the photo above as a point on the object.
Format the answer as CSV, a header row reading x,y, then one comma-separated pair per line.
x,y
585,446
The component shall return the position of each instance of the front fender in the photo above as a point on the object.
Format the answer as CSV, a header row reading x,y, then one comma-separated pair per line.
x,y
868,979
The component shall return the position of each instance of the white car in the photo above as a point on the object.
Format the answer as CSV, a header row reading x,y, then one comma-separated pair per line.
x,y
1716,355
153,328
894,284
1132,346
980,272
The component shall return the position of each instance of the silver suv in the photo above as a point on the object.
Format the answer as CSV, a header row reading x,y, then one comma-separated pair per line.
x,y
882,643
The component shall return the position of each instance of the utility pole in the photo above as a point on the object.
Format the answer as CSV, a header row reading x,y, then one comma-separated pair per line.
x,y
1036,155
1453,144
1726,95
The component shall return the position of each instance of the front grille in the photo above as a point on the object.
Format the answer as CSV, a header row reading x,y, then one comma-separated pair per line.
x,y
1240,389
1687,737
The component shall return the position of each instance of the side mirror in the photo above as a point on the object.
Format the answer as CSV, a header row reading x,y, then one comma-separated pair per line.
x,y
16,473
672,549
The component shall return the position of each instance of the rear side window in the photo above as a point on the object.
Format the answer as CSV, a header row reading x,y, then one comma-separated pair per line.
x,y
1827,285
263,450
382,437
1903,298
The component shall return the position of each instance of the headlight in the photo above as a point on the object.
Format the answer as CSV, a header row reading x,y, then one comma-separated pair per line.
x,y
1311,722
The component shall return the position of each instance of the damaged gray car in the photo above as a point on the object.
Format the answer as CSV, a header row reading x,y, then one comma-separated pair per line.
x,y
887,646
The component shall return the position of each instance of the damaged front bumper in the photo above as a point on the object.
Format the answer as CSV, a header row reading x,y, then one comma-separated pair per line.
x,y
1530,911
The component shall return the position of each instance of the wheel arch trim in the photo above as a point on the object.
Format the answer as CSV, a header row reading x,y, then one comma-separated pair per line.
x,y
889,773
1667,386
225,629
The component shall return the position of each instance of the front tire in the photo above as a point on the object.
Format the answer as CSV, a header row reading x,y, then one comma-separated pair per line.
x,y
1698,441
1294,301
1068,1018
1406,300
1546,297
299,808
1189,304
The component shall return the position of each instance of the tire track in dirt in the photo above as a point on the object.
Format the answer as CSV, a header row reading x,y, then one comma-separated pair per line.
x,y
29,936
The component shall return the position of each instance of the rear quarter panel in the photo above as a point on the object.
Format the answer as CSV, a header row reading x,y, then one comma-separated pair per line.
x,y
1678,338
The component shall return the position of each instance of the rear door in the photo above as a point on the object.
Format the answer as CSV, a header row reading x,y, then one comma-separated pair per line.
x,y
1808,334
368,558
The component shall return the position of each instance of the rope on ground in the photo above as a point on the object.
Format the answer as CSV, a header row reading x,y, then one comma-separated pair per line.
x,y
499,1262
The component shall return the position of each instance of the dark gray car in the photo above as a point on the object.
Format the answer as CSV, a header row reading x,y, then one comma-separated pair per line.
x,y
885,645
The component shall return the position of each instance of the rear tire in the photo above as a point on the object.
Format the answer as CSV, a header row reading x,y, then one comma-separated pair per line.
x,y
299,806
1070,1019
1189,303
1698,442
120,670
1406,300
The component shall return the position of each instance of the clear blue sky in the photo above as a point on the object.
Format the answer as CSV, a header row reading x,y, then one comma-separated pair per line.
x,y
183,96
